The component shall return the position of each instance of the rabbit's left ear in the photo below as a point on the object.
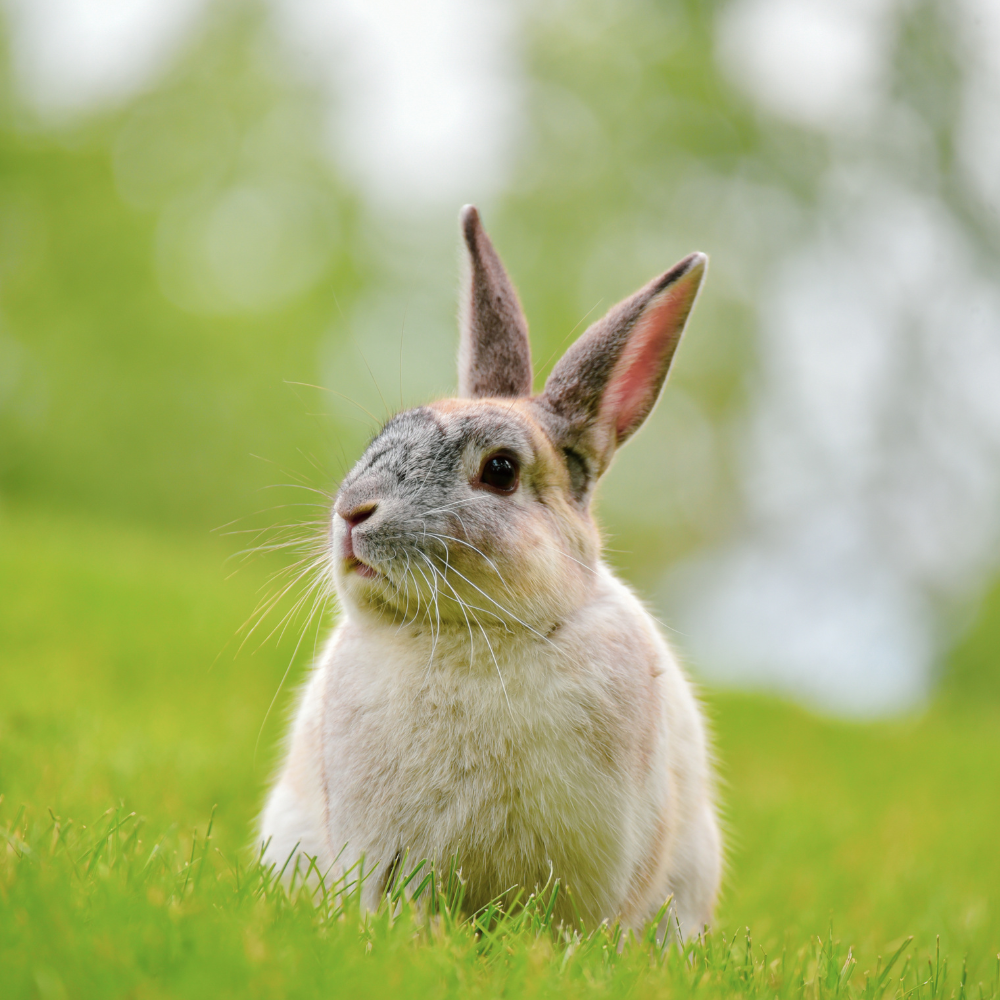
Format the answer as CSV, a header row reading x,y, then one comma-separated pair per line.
x,y
494,357
607,383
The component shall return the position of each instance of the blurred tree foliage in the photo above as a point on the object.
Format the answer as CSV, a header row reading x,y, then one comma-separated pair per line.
x,y
168,267
973,668
136,387
114,398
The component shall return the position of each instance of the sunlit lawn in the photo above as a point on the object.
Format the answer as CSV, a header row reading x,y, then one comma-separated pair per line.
x,y
120,689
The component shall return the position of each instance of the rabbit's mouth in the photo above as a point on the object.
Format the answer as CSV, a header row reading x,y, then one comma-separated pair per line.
x,y
362,568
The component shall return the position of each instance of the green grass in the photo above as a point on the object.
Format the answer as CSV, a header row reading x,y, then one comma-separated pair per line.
x,y
126,718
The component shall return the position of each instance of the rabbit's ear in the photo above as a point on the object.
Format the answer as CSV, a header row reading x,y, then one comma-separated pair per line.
x,y
494,357
609,380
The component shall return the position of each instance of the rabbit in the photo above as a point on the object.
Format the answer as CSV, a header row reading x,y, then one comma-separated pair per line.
x,y
492,690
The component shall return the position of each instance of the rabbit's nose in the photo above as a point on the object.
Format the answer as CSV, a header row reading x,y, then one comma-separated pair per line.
x,y
358,514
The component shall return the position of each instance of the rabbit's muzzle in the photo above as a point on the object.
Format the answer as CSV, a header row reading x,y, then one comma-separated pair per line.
x,y
352,517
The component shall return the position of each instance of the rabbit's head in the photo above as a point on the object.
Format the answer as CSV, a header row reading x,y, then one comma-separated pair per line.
x,y
475,512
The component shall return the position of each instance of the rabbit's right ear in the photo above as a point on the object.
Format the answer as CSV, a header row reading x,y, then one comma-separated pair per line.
x,y
494,357
608,382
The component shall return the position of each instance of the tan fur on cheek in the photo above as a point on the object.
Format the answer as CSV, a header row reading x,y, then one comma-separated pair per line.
x,y
573,524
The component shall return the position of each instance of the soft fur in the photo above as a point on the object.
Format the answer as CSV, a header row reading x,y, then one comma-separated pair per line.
x,y
492,690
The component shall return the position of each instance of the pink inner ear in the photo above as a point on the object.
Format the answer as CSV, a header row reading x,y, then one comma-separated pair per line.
x,y
642,366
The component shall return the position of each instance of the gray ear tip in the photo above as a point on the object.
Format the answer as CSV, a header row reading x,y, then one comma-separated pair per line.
x,y
697,266
696,261
469,221
692,267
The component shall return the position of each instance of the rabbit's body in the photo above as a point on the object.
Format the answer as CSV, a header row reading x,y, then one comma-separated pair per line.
x,y
493,691
590,756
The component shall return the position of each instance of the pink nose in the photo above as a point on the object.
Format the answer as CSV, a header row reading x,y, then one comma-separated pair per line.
x,y
360,513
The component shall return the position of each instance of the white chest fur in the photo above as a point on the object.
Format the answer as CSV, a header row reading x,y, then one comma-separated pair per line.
x,y
519,754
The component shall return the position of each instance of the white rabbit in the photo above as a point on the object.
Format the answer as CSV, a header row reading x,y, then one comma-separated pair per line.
x,y
492,690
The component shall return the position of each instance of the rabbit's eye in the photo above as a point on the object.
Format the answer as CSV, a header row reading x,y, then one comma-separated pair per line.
x,y
500,473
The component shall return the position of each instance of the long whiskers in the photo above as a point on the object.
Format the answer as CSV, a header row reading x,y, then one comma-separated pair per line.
x,y
505,610
451,538
312,613
452,505
497,665
310,539
466,608
463,606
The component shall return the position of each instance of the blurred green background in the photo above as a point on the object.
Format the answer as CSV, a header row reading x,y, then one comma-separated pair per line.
x,y
218,273
816,503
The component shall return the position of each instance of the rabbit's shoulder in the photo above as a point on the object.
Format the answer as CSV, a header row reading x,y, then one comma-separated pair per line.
x,y
614,631
627,657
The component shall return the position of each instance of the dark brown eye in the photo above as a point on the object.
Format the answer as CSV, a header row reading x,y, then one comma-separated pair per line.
x,y
500,473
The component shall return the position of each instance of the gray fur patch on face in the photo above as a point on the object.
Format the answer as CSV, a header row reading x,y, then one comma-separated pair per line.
x,y
411,446
419,477
580,475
